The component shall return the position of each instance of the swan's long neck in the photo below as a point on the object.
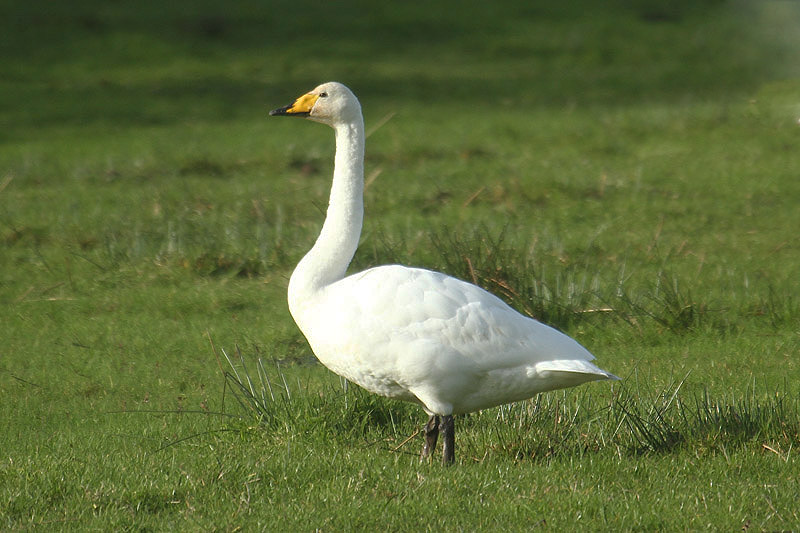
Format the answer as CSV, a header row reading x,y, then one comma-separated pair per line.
x,y
328,259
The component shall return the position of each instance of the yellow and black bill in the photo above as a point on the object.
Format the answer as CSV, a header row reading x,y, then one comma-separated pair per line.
x,y
300,108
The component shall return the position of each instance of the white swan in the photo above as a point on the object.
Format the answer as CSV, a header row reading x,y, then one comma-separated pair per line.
x,y
410,333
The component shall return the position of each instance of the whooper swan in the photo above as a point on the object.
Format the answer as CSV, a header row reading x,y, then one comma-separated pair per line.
x,y
410,333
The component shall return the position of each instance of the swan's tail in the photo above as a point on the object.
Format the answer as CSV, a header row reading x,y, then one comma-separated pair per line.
x,y
571,372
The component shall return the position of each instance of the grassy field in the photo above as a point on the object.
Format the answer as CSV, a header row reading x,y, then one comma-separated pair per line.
x,y
627,173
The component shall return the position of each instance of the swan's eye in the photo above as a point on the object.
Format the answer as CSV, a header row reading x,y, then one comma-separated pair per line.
x,y
323,95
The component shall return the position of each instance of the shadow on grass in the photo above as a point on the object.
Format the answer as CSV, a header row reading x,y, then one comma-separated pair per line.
x,y
631,418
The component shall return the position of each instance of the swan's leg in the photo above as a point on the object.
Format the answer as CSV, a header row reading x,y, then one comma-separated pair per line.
x,y
448,429
431,431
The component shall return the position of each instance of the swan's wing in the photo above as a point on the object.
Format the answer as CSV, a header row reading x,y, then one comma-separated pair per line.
x,y
395,305
470,319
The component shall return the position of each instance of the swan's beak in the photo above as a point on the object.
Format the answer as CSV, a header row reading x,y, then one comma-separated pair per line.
x,y
300,108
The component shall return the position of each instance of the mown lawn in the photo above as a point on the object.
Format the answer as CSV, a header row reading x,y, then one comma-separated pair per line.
x,y
627,172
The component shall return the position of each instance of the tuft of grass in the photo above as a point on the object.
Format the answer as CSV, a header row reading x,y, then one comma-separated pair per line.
x,y
778,307
554,296
669,422
334,410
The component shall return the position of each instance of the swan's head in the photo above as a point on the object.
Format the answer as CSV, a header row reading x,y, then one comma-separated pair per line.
x,y
331,103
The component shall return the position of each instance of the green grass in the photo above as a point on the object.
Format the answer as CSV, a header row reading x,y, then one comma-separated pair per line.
x,y
625,172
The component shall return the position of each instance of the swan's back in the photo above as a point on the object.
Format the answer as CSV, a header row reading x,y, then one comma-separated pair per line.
x,y
420,335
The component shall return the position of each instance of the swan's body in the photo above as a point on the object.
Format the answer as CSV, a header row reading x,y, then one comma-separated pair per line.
x,y
410,333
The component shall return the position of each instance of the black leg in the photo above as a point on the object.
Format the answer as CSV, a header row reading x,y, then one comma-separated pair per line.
x,y
431,431
448,429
